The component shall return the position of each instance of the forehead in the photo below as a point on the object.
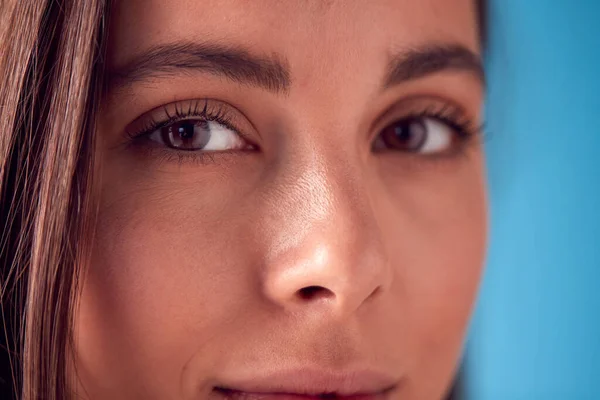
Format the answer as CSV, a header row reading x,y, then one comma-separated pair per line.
x,y
296,29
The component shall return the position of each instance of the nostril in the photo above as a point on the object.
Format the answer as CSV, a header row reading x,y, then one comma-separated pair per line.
x,y
314,292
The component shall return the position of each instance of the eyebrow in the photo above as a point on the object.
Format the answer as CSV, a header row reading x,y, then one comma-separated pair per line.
x,y
428,60
235,64
273,73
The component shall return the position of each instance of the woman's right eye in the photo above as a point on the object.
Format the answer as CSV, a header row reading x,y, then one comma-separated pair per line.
x,y
199,135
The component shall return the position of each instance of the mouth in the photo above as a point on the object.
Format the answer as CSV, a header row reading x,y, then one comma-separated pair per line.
x,y
310,385
237,395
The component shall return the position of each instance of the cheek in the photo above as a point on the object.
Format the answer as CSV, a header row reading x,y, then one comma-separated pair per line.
x,y
435,230
165,273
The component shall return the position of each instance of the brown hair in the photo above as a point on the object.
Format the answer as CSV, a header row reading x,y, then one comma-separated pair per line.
x,y
50,86
49,91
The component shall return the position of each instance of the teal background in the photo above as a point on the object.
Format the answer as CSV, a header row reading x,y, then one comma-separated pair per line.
x,y
536,330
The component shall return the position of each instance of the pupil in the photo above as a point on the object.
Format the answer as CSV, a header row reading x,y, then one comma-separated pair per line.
x,y
402,131
411,134
186,130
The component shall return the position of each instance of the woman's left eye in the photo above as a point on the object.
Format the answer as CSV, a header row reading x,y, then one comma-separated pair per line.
x,y
423,135
199,135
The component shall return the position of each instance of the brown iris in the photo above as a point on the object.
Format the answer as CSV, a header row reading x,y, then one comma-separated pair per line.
x,y
186,135
407,135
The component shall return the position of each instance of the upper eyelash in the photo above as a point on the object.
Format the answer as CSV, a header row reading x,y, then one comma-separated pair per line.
x,y
468,132
193,110
452,117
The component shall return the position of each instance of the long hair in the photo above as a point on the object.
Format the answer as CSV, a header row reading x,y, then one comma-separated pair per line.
x,y
51,60
49,92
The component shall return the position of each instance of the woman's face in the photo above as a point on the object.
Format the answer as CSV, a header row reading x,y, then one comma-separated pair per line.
x,y
292,200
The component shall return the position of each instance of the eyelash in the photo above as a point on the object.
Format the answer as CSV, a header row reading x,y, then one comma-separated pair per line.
x,y
201,109
452,116
466,130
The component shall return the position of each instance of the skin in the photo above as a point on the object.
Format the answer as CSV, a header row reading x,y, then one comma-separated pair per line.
x,y
199,267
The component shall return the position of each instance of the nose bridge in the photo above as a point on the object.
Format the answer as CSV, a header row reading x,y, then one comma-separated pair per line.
x,y
326,237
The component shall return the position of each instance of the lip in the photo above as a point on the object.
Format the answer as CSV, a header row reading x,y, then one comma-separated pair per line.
x,y
304,384
287,396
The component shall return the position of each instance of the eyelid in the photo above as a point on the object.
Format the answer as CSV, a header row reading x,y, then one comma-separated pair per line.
x,y
165,114
424,106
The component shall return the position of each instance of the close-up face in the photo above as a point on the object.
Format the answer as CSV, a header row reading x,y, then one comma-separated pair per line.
x,y
291,200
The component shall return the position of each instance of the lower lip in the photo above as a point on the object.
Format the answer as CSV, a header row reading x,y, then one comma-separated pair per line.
x,y
236,395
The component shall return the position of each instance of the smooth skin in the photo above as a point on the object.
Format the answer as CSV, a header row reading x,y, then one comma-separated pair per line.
x,y
309,243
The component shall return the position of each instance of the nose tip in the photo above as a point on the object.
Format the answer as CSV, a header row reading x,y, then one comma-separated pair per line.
x,y
338,280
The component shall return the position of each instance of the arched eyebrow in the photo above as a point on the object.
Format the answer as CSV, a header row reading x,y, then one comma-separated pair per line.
x,y
431,59
233,63
273,73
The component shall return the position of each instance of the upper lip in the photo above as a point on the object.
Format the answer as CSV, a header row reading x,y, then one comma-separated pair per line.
x,y
314,382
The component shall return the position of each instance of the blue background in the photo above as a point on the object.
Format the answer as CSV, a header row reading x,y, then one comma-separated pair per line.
x,y
536,330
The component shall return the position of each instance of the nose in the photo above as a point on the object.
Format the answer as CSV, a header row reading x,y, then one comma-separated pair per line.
x,y
326,249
